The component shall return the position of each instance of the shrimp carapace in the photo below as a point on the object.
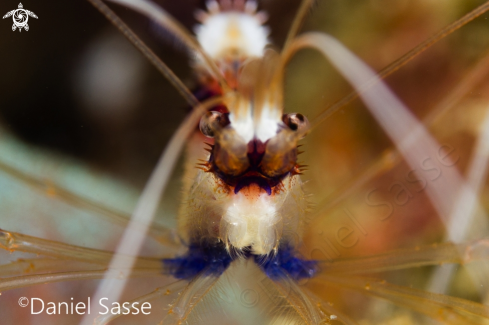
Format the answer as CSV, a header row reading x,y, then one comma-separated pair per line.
x,y
247,199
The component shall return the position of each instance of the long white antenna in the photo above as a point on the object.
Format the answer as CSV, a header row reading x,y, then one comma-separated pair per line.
x,y
146,51
128,248
409,135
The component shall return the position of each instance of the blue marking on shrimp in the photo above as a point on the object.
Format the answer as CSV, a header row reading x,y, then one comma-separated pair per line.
x,y
287,261
215,259
210,256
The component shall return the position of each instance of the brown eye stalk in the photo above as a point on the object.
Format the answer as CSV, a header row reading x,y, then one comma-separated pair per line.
x,y
229,153
296,122
281,151
211,122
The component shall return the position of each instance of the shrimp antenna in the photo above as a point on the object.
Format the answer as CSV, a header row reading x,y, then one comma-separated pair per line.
x,y
146,51
142,217
408,134
277,82
397,64
155,12
298,21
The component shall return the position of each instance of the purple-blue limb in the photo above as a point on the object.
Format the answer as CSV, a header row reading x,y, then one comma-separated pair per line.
x,y
215,259
287,261
210,256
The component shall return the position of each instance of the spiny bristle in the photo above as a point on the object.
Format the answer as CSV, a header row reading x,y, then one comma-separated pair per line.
x,y
204,169
295,171
205,166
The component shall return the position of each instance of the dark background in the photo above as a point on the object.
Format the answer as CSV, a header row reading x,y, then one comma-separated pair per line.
x,y
39,83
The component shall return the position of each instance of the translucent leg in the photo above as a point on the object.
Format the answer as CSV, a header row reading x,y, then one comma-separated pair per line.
x,y
12,241
411,137
299,300
161,234
391,157
189,297
135,233
30,280
157,293
334,314
402,259
440,307
394,66
42,265
465,214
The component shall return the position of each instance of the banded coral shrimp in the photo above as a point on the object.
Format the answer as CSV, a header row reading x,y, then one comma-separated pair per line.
x,y
373,288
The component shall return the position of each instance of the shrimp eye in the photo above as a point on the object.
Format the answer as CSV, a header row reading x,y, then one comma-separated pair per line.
x,y
229,154
281,151
212,121
296,122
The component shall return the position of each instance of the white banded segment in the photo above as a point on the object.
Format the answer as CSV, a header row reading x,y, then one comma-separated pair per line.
x,y
233,31
250,218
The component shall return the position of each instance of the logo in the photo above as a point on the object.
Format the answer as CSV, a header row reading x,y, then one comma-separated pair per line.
x,y
20,17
